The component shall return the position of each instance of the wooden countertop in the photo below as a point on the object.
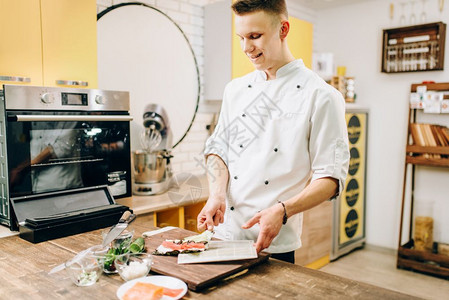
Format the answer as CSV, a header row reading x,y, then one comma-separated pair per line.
x,y
186,189
25,269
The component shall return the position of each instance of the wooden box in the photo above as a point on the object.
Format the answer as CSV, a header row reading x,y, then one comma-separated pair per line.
x,y
414,48
422,261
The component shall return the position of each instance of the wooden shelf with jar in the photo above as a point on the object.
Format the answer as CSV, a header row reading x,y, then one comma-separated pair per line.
x,y
427,145
345,85
414,48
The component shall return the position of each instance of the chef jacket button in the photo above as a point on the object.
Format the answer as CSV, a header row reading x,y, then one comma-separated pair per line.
x,y
298,86
232,207
275,149
241,146
243,115
235,177
266,181
249,85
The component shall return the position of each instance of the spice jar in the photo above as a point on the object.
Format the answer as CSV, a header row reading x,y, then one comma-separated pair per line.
x,y
423,234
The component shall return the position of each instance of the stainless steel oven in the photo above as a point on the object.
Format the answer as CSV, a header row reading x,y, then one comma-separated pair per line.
x,y
61,139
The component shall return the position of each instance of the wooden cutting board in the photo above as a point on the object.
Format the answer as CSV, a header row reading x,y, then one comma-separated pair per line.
x,y
196,276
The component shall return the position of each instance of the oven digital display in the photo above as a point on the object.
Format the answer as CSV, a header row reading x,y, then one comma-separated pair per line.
x,y
74,99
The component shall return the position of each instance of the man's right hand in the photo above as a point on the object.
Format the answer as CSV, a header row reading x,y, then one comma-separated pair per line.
x,y
212,214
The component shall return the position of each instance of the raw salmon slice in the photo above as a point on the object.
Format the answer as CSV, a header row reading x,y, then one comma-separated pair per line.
x,y
183,246
144,291
172,292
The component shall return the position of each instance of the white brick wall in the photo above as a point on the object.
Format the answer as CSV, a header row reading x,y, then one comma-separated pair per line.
x,y
189,15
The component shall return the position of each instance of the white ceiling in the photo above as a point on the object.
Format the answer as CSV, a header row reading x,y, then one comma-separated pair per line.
x,y
324,4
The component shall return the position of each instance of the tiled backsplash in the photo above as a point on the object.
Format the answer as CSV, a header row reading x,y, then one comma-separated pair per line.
x,y
189,15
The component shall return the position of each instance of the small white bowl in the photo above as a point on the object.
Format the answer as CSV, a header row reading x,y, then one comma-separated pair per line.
x,y
134,266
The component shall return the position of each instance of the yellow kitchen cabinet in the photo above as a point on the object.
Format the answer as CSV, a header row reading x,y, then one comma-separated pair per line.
x,y
69,42
182,217
20,45
48,42
169,217
223,56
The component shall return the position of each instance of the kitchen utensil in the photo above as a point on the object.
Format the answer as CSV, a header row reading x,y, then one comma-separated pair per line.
x,y
75,259
423,17
150,138
149,167
95,250
122,224
412,15
402,17
157,231
120,243
152,169
221,251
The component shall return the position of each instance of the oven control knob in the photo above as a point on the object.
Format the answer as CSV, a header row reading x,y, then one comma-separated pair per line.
x,y
47,98
99,99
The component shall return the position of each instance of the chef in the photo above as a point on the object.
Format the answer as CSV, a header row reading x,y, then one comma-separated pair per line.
x,y
54,141
280,146
52,148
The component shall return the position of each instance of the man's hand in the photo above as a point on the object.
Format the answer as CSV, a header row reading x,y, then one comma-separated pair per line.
x,y
212,214
270,223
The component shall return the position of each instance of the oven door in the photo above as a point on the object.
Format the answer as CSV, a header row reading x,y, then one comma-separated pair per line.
x,y
56,151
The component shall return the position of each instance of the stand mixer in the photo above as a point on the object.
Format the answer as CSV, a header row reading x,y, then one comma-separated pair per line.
x,y
152,169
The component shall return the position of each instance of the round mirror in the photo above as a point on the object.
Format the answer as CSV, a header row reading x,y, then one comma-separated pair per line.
x,y
143,51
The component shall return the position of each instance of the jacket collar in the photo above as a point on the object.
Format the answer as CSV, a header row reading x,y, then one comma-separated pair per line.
x,y
282,71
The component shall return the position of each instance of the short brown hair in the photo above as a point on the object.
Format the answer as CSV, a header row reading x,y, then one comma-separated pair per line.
x,y
273,7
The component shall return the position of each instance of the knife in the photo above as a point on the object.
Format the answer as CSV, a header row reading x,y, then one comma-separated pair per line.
x,y
115,231
75,259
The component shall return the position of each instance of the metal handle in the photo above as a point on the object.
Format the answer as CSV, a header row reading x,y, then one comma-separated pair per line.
x,y
80,118
72,82
15,78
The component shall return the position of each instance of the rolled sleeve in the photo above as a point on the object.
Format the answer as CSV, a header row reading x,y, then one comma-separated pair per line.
x,y
216,145
328,146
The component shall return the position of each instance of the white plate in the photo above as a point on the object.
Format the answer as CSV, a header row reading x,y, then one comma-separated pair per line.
x,y
163,281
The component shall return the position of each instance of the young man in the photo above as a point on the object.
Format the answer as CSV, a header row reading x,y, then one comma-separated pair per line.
x,y
280,127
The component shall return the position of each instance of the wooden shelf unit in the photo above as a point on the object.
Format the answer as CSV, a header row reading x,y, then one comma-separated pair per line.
x,y
408,257
423,261
424,161
414,48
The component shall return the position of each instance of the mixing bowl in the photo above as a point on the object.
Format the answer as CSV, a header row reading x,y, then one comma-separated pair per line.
x,y
149,167
84,271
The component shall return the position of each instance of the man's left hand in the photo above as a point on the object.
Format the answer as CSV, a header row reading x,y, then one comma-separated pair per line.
x,y
270,223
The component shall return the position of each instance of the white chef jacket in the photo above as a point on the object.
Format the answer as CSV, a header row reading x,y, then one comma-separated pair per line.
x,y
273,135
